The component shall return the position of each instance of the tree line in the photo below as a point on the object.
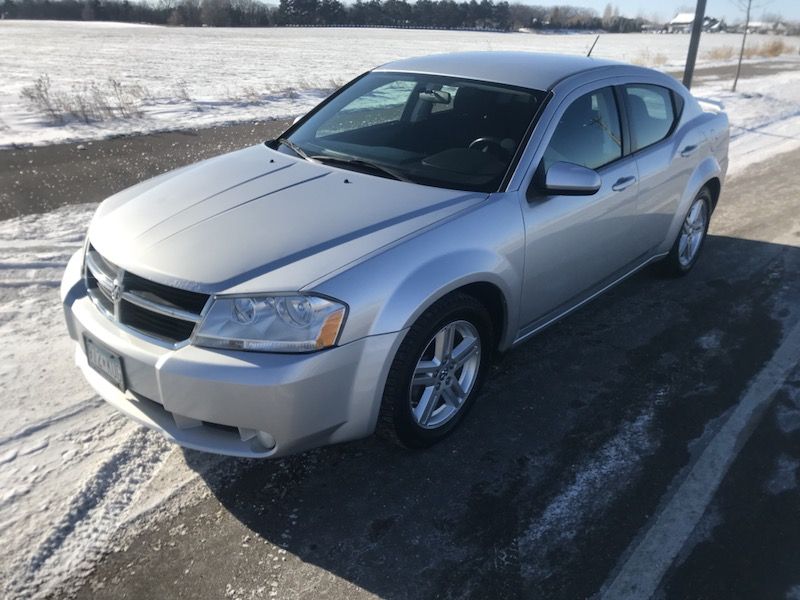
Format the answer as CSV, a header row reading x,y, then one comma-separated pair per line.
x,y
443,14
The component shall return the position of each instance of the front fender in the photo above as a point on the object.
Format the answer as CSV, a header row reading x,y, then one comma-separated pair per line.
x,y
435,279
389,291
709,168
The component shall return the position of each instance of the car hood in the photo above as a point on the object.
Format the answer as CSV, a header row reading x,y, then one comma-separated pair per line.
x,y
259,220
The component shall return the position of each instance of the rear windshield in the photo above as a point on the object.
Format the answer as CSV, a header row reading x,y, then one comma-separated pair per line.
x,y
429,129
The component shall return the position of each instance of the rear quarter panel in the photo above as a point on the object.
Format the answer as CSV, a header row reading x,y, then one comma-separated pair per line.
x,y
708,129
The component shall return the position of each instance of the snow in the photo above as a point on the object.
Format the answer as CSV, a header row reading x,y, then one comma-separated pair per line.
x,y
72,470
764,114
591,489
193,77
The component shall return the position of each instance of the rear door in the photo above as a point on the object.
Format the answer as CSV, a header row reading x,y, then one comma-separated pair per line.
x,y
664,164
575,243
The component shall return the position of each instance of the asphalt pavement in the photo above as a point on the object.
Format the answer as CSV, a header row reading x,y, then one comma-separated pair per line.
x,y
575,447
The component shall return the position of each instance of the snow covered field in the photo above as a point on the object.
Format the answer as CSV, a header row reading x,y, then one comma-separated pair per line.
x,y
186,77
72,471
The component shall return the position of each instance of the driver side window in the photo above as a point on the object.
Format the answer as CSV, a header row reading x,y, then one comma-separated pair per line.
x,y
588,133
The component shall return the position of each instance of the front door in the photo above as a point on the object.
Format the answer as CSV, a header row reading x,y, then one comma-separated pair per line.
x,y
575,243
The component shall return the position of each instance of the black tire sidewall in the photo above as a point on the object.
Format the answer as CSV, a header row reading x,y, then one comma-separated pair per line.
x,y
465,308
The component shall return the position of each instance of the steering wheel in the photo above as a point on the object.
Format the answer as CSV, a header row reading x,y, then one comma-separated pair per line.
x,y
494,145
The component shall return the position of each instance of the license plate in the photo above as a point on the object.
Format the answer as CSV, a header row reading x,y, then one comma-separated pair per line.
x,y
105,362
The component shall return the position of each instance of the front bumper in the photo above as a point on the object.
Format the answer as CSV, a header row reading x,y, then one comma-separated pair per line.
x,y
237,403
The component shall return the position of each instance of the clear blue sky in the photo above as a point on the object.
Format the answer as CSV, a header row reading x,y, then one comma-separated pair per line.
x,y
666,9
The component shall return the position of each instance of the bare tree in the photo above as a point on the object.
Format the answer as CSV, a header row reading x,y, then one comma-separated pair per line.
x,y
747,6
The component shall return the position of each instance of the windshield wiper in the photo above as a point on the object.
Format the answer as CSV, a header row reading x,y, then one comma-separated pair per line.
x,y
350,161
295,148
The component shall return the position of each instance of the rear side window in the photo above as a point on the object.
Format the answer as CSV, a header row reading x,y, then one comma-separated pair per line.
x,y
588,133
651,114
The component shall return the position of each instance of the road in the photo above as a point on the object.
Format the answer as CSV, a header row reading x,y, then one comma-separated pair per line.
x,y
581,440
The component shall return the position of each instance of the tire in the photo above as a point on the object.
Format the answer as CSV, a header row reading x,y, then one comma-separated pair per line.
x,y
685,251
420,413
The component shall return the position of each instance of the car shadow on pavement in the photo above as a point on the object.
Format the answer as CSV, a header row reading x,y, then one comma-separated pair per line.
x,y
574,440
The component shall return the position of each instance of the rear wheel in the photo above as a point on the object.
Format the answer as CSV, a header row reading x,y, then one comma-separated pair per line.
x,y
686,249
437,372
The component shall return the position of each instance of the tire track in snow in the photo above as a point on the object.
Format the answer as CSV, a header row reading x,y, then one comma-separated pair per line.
x,y
92,516
51,420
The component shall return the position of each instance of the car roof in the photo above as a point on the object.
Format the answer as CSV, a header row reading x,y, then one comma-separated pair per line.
x,y
534,70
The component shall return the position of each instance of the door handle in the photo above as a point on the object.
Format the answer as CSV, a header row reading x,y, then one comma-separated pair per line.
x,y
688,150
623,183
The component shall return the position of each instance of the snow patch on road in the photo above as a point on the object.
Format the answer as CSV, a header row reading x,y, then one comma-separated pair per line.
x,y
89,518
595,484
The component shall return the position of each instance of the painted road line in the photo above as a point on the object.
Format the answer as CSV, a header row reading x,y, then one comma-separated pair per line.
x,y
652,555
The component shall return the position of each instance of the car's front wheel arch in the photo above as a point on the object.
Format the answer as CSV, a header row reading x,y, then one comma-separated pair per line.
x,y
449,347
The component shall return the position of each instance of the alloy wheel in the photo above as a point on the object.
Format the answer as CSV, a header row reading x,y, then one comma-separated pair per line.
x,y
445,374
692,233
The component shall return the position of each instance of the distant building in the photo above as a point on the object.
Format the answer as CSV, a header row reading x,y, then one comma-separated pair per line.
x,y
763,27
682,23
712,25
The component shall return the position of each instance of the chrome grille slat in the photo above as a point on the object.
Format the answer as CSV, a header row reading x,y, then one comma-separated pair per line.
x,y
161,309
128,299
105,280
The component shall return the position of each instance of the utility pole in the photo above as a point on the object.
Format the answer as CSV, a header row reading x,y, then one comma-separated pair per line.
x,y
694,42
744,39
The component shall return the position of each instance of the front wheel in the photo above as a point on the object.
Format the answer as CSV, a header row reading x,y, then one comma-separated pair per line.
x,y
686,249
437,372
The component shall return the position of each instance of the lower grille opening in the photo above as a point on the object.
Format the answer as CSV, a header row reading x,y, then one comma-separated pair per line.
x,y
219,426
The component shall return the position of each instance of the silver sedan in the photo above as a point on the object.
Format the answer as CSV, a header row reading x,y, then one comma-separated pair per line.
x,y
360,271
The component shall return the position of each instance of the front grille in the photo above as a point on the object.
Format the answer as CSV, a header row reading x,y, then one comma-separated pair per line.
x,y
174,297
157,310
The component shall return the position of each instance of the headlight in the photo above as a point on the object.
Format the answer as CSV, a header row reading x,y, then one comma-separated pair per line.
x,y
297,323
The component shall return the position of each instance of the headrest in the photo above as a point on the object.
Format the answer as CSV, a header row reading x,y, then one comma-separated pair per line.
x,y
471,100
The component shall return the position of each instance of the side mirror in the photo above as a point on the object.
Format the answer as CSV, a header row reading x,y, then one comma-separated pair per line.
x,y
569,179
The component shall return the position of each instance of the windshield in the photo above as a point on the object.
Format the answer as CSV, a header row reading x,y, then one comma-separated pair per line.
x,y
427,129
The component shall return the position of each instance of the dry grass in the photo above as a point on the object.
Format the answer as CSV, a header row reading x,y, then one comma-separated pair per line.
x,y
88,102
721,53
649,59
251,95
181,90
771,48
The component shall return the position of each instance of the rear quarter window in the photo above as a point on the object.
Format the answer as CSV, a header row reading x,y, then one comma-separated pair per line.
x,y
651,113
